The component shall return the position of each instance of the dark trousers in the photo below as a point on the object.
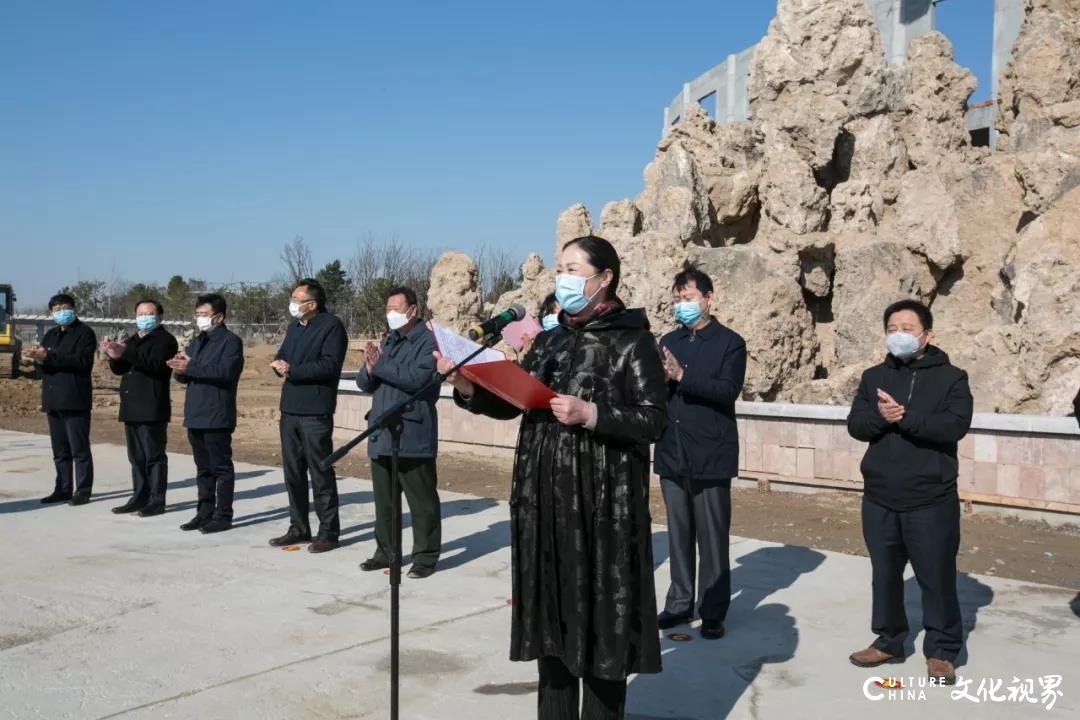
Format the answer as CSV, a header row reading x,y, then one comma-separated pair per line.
x,y
70,436
305,441
930,539
419,482
699,519
146,444
215,475
560,694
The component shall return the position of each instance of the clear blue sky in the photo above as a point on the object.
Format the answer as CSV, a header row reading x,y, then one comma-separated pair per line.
x,y
145,138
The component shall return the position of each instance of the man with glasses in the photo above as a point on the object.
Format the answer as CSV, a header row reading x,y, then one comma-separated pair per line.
x,y
65,359
211,370
309,362
145,406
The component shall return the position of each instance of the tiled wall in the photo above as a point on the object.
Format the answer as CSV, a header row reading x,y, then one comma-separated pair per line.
x,y
1035,464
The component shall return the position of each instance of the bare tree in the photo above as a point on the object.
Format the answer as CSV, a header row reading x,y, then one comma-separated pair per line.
x,y
296,256
497,273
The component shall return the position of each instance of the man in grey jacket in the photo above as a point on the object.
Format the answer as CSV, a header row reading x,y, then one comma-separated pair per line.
x,y
399,367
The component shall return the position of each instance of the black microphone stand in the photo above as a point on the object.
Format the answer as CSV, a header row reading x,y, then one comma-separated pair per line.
x,y
391,421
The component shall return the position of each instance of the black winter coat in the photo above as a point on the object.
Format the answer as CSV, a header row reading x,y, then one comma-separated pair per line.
x,y
912,464
701,442
1076,407
65,385
212,378
315,353
579,503
144,387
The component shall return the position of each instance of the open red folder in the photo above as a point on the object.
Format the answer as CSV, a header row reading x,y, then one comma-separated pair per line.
x,y
493,372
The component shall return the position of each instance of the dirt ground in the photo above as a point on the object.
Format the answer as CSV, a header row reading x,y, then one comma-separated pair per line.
x,y
991,545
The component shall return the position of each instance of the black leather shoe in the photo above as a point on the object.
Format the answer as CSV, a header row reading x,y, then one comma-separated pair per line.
x,y
374,564
418,572
712,629
79,499
56,497
290,538
666,620
216,525
152,510
128,507
194,523
319,545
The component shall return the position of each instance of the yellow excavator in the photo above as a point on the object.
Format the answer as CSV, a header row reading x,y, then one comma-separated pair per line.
x,y
10,345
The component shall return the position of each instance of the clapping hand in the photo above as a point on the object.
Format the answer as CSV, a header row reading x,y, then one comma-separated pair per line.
x,y
37,354
114,350
672,369
280,368
892,411
179,363
372,353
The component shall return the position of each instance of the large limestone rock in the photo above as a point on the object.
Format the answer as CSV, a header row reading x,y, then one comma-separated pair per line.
x,y
1045,289
1039,102
765,305
870,160
937,89
454,296
574,222
820,65
650,262
674,200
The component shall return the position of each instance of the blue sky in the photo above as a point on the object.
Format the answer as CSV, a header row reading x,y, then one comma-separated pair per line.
x,y
146,138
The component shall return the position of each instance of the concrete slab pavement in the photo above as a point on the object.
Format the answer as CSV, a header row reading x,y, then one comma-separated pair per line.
x,y
105,616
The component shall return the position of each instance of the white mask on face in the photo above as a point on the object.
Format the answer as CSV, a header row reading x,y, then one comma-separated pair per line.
x,y
294,310
203,323
397,320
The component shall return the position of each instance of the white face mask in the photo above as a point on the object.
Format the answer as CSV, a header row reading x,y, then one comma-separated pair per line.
x,y
203,323
397,320
294,310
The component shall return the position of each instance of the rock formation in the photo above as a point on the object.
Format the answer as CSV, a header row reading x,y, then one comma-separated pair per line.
x,y
854,184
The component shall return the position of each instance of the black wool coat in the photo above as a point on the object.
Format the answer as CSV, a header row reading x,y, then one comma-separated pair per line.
x,y
580,525
69,360
144,382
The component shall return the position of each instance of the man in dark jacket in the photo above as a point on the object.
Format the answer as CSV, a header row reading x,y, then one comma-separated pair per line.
x,y
392,372
65,359
145,406
310,361
705,364
211,370
913,409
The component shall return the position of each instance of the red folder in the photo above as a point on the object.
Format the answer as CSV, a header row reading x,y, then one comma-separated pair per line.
x,y
508,381
493,372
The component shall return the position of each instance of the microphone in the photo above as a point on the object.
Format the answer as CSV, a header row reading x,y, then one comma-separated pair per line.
x,y
496,324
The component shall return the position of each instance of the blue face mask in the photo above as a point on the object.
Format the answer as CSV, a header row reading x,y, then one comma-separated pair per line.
x,y
902,345
570,292
145,323
63,317
549,322
687,313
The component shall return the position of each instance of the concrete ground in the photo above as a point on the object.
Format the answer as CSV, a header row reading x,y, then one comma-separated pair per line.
x,y
105,616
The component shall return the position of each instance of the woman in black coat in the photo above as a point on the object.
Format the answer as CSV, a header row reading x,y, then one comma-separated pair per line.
x,y
584,603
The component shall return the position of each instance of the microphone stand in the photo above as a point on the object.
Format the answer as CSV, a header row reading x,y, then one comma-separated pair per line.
x,y
391,421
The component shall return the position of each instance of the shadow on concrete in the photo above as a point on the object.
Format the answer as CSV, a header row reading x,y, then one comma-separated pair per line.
x,y
974,596
1075,605
661,548
710,676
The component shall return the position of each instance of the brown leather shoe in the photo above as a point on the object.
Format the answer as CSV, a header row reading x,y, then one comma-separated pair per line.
x,y
872,657
319,545
942,671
